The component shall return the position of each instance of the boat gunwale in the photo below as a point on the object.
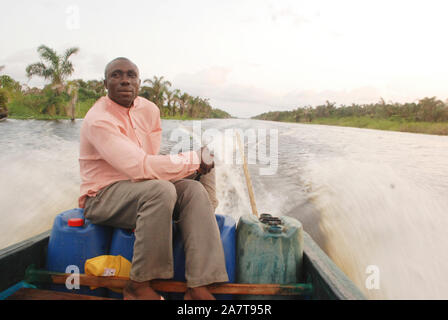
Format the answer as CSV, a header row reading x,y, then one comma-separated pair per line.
x,y
329,282
16,258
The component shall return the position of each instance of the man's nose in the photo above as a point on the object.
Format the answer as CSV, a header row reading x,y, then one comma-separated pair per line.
x,y
125,80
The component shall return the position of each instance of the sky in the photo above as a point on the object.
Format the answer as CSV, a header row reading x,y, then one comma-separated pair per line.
x,y
246,56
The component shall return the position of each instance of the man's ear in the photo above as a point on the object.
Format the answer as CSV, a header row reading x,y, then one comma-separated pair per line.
x,y
105,83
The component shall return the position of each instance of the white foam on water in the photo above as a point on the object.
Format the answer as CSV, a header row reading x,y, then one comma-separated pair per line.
x,y
373,216
39,178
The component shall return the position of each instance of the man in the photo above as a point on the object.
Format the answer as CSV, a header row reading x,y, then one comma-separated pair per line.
x,y
125,183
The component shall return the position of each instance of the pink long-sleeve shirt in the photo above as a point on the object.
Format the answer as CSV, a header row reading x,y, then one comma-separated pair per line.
x,y
119,143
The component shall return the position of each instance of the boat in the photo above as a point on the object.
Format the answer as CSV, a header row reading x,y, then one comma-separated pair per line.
x,y
323,279
285,254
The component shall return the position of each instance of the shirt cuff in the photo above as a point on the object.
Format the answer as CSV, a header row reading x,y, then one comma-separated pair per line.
x,y
189,159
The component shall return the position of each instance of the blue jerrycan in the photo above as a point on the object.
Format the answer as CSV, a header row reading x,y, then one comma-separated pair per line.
x,y
269,250
227,229
73,240
123,244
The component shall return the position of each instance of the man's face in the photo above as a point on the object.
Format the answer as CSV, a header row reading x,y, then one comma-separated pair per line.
x,y
122,82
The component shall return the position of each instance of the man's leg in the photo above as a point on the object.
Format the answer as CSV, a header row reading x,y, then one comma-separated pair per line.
x,y
205,262
146,206
209,182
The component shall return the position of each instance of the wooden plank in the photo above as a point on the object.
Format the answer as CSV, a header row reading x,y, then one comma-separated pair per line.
x,y
236,288
178,286
36,276
37,294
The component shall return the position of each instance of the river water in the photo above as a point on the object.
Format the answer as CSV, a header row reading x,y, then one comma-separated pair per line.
x,y
368,197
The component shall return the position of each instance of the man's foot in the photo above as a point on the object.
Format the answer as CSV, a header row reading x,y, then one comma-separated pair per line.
x,y
140,291
198,293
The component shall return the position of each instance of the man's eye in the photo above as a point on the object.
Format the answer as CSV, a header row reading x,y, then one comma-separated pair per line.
x,y
114,75
132,75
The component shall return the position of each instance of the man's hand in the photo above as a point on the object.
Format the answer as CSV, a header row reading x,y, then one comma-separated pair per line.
x,y
207,161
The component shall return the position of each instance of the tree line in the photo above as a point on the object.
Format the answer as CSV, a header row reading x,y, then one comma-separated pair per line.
x,y
428,109
73,98
3,100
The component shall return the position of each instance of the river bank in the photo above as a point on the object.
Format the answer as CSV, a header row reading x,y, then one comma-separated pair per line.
x,y
48,117
435,128
21,112
428,115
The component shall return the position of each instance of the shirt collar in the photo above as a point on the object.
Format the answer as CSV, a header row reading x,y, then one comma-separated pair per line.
x,y
120,108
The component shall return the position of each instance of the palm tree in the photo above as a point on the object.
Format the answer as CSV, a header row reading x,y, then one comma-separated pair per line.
x,y
58,69
184,101
193,106
177,102
430,108
159,88
97,87
205,108
172,98
72,90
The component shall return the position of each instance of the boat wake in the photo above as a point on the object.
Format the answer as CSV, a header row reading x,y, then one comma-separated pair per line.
x,y
372,216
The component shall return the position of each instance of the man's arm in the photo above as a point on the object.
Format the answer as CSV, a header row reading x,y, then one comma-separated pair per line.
x,y
122,154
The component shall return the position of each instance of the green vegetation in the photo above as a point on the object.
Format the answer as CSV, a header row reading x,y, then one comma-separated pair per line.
x,y
428,115
177,105
3,103
58,69
63,99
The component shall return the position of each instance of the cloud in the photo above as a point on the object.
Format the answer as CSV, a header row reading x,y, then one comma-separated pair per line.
x,y
287,14
16,63
213,76
245,100
365,94
214,83
87,65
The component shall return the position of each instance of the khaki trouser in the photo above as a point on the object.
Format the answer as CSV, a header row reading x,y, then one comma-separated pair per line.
x,y
149,207
209,183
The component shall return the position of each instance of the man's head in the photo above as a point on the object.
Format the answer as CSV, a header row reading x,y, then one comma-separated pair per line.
x,y
122,81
